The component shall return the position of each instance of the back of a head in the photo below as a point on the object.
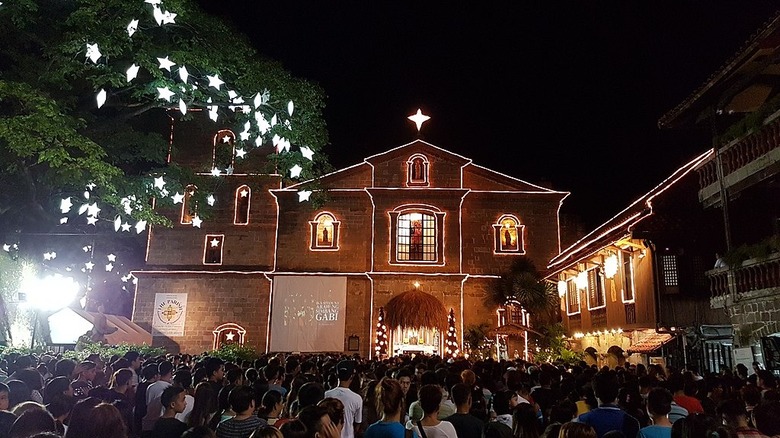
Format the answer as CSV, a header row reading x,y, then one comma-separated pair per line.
x,y
293,429
389,395
731,410
106,422
605,386
311,417
213,364
18,392
55,388
563,411
460,393
169,395
578,430
310,394
501,402
525,421
81,418
31,422
767,378
429,378
183,378
198,432
165,368
430,397
767,418
468,377
335,409
123,376
240,398
659,401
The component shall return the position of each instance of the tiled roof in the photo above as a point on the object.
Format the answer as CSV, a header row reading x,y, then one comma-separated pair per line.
x,y
650,343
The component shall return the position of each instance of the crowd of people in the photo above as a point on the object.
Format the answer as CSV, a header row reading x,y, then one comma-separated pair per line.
x,y
330,396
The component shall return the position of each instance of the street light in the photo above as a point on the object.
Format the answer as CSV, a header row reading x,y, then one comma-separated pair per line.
x,y
47,294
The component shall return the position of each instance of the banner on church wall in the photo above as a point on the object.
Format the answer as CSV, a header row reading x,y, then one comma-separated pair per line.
x,y
170,313
308,313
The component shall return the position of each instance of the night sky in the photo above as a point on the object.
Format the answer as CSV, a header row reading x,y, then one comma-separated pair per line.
x,y
564,93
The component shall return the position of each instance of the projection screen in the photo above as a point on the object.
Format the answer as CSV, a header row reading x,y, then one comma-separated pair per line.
x,y
308,313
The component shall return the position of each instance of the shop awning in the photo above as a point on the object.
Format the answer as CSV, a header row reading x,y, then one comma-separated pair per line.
x,y
650,343
68,324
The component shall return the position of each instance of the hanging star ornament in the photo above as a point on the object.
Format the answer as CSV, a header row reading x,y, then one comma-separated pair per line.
x,y
132,27
140,226
295,171
178,198
165,63
132,72
196,221
65,205
215,81
307,153
240,153
211,200
215,243
125,227
165,93
93,52
304,195
101,98
89,265
419,119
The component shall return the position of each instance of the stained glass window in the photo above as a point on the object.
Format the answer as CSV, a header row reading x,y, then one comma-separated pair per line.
x,y
416,237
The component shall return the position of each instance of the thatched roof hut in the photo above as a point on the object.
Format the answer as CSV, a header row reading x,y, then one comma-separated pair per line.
x,y
416,309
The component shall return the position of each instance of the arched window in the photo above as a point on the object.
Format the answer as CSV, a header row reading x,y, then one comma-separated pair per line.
x,y
417,170
243,199
223,154
416,234
508,235
188,206
324,232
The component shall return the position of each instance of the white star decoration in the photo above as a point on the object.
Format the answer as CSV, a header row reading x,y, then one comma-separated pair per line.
x,y
159,182
140,226
109,267
304,195
215,243
211,200
184,74
295,171
132,72
178,198
196,221
215,172
6,247
132,27
91,220
240,153
165,63
125,227
230,335
307,153
215,81
226,139
244,193
101,98
419,119
93,52
93,209
165,93
65,205
111,257
89,265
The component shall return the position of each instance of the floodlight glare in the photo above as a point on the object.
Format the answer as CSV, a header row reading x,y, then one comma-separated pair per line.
x,y
49,293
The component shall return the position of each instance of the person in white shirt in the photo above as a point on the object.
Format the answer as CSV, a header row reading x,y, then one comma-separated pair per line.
x,y
432,427
353,403
183,379
154,407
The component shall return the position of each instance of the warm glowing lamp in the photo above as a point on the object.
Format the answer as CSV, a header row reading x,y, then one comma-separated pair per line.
x,y
582,280
561,288
611,266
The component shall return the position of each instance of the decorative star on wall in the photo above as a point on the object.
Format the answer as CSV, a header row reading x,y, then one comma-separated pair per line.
x,y
196,221
178,198
214,243
230,336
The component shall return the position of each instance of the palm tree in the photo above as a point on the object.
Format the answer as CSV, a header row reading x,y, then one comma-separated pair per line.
x,y
525,285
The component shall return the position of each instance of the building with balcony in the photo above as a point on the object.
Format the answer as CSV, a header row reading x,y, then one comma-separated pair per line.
x,y
740,106
635,287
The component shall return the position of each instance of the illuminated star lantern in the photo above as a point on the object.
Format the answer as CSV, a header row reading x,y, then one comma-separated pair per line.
x,y
213,115
240,153
111,257
418,119
230,335
65,205
159,182
7,247
132,27
182,107
101,98
304,195
211,200
126,227
244,193
109,267
93,52
215,172
290,107
91,220
215,81
214,243
89,266
229,170
178,198
93,209
132,72
226,139
165,93
165,63
158,15
91,186
168,18
49,255
232,94
140,226
196,221
307,153
295,171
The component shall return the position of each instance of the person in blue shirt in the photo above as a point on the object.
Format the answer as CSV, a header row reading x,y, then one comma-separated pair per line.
x,y
608,416
659,404
391,401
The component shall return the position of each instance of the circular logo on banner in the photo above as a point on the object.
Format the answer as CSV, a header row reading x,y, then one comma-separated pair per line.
x,y
170,311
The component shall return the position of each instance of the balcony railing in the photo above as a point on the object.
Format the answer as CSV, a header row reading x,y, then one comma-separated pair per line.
x,y
742,158
731,284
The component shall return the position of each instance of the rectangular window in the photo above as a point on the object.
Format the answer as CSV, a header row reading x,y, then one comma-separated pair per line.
x,y
572,297
670,270
596,298
516,315
212,253
627,259
416,237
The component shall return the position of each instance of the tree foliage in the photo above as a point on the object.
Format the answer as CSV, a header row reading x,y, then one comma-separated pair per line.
x,y
524,284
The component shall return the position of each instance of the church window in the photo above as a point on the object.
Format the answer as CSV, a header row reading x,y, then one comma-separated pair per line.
x,y
243,199
324,232
508,235
224,150
416,235
212,252
417,170
188,205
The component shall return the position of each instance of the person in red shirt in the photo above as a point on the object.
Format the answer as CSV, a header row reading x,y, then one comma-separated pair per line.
x,y
684,395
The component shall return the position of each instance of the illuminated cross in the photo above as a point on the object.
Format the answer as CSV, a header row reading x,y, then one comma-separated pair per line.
x,y
419,119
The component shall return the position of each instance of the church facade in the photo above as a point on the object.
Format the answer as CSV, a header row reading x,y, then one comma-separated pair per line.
x,y
276,274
